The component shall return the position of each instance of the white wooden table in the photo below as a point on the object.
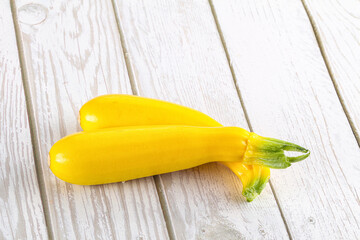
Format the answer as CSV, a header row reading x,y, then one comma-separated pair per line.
x,y
288,69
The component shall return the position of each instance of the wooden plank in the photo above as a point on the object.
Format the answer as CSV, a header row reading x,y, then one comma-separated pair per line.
x,y
289,95
176,54
21,210
338,27
72,53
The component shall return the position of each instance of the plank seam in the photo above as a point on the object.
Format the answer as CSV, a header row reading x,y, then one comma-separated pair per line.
x,y
157,179
229,63
164,206
330,72
125,51
32,124
243,104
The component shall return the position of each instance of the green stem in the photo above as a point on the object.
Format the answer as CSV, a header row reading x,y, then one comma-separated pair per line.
x,y
270,152
252,190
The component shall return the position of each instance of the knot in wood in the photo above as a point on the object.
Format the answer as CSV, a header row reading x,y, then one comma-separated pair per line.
x,y
32,14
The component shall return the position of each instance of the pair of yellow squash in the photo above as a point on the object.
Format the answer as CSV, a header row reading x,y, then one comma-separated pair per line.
x,y
127,137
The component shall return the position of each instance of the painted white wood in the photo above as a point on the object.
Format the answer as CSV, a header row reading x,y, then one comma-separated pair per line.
x,y
338,26
288,94
73,53
176,54
21,210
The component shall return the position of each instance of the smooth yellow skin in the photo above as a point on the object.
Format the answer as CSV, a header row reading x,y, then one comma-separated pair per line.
x,y
121,154
120,110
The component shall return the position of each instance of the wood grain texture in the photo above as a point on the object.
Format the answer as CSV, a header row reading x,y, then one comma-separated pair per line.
x,y
337,24
21,210
72,53
289,95
176,54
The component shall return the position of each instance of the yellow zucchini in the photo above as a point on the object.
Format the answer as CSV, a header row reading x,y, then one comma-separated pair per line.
x,y
121,154
120,110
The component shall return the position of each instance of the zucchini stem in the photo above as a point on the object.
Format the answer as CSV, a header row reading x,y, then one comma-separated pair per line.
x,y
270,152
